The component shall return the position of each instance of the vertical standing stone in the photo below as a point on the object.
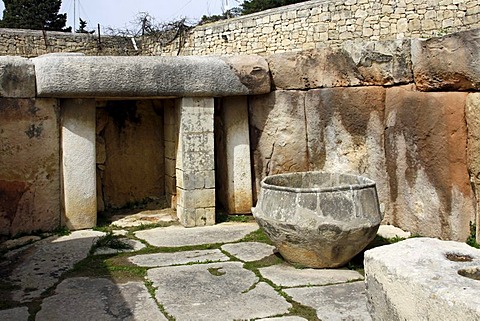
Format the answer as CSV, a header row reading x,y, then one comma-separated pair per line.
x,y
237,147
170,128
78,163
472,114
195,169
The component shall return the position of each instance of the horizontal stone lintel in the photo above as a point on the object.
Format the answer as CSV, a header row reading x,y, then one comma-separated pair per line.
x,y
78,76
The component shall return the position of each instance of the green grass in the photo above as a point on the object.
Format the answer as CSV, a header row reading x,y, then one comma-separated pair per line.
x,y
472,238
257,236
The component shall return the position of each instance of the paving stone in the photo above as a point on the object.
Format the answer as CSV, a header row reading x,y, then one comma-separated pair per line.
x,y
293,318
335,302
390,232
46,260
136,246
21,241
16,314
167,259
120,232
99,299
173,236
249,251
146,217
217,291
288,276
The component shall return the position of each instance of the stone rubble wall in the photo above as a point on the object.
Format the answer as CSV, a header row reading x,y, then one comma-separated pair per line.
x,y
320,23
33,43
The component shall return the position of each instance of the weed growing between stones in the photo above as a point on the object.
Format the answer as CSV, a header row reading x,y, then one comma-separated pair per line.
x,y
257,236
112,241
472,239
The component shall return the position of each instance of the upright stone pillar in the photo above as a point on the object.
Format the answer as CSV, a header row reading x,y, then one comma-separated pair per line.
x,y
237,148
195,169
170,128
78,163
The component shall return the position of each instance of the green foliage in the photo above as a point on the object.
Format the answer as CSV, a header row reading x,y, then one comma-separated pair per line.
x,y
82,28
111,241
251,6
472,239
34,14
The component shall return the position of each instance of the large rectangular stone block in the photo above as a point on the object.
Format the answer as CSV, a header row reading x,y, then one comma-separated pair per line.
x,y
29,166
17,77
426,149
345,132
472,114
79,163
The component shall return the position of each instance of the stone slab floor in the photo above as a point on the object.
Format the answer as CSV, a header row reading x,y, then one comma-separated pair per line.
x,y
225,272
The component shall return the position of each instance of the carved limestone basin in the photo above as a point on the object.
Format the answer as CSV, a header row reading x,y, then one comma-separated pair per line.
x,y
318,219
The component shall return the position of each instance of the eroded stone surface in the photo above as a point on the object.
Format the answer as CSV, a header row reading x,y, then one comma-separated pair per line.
x,y
345,133
426,148
288,276
145,217
167,259
16,314
173,236
249,251
324,67
187,76
419,279
17,76
390,232
29,166
21,241
186,292
278,133
284,319
45,261
335,302
447,63
99,299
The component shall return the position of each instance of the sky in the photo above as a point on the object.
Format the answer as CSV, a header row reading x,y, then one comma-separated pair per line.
x,y
119,13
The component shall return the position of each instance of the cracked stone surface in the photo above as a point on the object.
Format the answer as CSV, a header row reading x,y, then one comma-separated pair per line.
x,y
335,302
136,246
288,276
187,292
146,217
16,314
99,299
46,260
175,236
249,251
168,259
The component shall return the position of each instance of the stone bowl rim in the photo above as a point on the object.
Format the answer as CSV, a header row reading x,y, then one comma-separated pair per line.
x,y
368,183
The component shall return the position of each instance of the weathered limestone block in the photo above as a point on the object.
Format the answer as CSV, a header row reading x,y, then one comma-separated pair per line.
x,y
451,62
278,133
17,77
382,62
195,162
423,279
472,115
79,164
325,67
75,76
345,130
236,141
135,165
426,144
29,166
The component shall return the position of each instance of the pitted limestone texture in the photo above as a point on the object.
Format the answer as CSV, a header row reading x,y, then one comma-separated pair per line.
x,y
176,236
17,77
335,302
76,76
423,279
46,260
15,314
186,292
318,219
286,275
178,258
249,251
99,299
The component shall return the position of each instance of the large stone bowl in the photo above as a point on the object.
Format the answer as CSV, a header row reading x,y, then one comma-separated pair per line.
x,y
317,219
